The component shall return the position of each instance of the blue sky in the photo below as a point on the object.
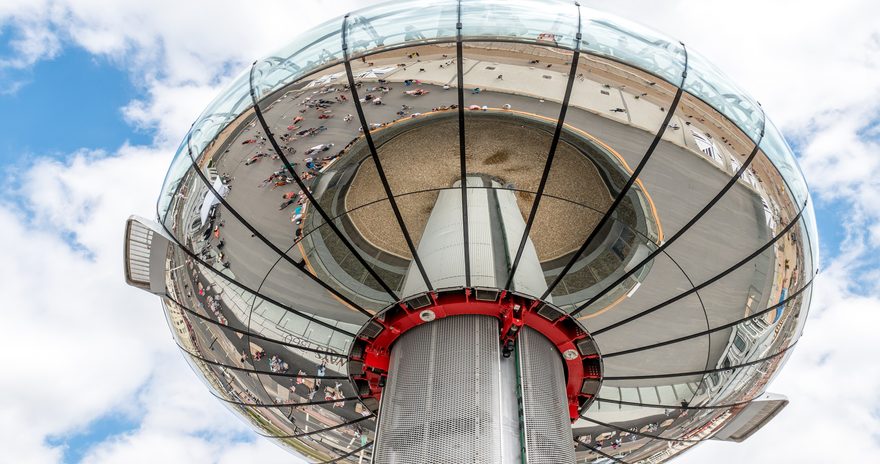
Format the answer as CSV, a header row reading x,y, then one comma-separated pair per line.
x,y
95,96
69,102
78,442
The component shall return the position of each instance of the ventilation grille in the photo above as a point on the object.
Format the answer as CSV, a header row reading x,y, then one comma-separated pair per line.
x,y
371,330
441,401
486,294
419,302
545,408
138,238
549,312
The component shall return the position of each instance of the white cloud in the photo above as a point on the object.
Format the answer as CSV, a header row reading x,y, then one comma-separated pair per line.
x,y
831,380
183,423
169,110
67,316
31,38
70,321
79,343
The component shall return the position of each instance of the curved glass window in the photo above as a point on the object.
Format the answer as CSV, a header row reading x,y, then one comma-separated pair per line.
x,y
622,179
625,41
708,83
555,23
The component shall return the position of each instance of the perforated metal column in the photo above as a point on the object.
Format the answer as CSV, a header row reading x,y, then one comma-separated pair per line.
x,y
442,402
446,392
545,417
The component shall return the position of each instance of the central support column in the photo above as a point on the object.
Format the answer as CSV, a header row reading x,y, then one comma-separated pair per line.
x,y
442,400
451,397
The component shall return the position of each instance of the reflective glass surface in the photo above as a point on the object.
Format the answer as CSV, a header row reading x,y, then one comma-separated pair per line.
x,y
666,213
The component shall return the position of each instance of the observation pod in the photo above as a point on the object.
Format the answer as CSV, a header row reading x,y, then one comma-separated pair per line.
x,y
484,231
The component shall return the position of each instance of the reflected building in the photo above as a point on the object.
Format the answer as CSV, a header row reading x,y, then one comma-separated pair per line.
x,y
486,231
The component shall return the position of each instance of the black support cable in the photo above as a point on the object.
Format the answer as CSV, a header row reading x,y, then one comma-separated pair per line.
x,y
462,154
706,283
676,406
298,265
375,155
515,190
251,371
285,307
717,197
604,454
714,329
733,180
550,155
641,434
308,193
326,429
257,371
352,452
284,405
706,371
251,334
629,183
705,318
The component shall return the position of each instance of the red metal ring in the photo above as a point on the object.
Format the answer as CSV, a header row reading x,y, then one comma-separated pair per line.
x,y
370,354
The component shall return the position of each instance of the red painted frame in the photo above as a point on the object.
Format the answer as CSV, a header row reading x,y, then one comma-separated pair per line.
x,y
514,311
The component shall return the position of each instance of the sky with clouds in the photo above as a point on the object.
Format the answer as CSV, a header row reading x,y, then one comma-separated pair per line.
x,y
95,95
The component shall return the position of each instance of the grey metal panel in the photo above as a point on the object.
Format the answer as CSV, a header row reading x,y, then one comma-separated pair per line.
x,y
442,400
480,236
511,424
145,252
442,245
548,435
529,278
752,418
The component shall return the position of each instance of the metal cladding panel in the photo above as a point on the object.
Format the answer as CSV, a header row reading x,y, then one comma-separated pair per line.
x,y
752,418
145,254
480,236
548,436
441,403
442,245
529,278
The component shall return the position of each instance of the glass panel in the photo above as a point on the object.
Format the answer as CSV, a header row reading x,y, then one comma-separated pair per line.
x,y
554,22
219,237
741,382
755,285
233,316
172,193
411,105
231,104
708,83
755,339
776,148
251,268
333,262
691,165
812,231
402,110
681,319
312,139
629,436
388,25
317,48
604,104
633,44
509,128
318,448
600,266
690,355
625,436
